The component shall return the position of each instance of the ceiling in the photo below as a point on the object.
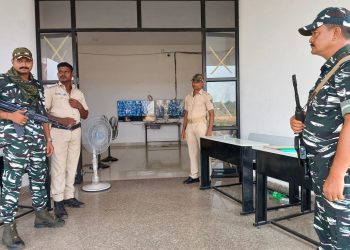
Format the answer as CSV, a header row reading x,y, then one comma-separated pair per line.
x,y
139,38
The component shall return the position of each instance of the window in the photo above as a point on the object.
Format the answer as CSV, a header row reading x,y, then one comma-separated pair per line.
x,y
55,48
220,55
55,14
220,14
106,14
171,14
224,100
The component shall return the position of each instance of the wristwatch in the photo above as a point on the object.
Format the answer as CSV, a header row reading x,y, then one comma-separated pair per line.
x,y
49,139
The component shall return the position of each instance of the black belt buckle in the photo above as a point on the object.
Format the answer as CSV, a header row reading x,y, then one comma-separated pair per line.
x,y
75,126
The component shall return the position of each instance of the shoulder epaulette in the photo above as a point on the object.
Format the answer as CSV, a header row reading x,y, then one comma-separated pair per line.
x,y
49,86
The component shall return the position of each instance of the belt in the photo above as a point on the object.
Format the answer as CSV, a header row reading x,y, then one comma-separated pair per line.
x,y
197,119
68,128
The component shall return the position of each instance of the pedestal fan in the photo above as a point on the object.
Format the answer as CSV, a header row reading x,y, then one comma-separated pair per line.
x,y
113,121
97,136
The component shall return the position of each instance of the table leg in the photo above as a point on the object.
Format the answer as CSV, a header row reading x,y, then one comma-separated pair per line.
x,y
293,194
260,199
146,139
205,180
305,199
246,176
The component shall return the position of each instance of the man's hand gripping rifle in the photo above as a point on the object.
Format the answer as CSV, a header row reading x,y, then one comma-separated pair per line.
x,y
298,140
11,107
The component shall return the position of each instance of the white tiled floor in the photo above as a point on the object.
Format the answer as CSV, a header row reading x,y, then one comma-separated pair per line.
x,y
144,210
139,162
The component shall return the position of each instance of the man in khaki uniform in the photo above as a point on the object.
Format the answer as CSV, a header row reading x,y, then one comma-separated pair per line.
x,y
65,103
197,105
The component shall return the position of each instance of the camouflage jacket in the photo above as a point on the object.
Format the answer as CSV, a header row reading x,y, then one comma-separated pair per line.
x,y
325,113
10,92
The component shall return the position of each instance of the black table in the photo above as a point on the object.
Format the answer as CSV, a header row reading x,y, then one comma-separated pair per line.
x,y
235,151
282,166
158,125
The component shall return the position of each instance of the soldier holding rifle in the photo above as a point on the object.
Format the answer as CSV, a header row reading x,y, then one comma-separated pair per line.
x,y
23,153
326,129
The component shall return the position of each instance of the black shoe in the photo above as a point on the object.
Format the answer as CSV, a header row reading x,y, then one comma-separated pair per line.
x,y
74,203
190,180
59,210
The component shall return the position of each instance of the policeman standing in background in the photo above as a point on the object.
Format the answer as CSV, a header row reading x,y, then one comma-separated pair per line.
x,y
326,130
66,104
26,153
197,105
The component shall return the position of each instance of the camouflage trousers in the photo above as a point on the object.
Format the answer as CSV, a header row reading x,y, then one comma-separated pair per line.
x,y
332,218
26,154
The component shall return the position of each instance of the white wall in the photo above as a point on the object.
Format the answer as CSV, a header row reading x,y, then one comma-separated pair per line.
x,y
271,50
17,25
111,73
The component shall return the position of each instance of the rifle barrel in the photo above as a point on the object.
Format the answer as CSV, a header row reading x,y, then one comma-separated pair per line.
x,y
295,85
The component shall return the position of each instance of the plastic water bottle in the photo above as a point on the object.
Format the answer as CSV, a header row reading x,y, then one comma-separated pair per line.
x,y
282,198
277,196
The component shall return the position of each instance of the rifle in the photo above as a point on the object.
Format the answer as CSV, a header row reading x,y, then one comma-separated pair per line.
x,y
298,139
13,107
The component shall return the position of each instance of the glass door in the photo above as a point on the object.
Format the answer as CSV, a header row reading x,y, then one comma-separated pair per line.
x,y
221,57
221,75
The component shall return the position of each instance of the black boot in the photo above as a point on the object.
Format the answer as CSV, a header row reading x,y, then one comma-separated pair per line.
x,y
44,219
10,237
60,211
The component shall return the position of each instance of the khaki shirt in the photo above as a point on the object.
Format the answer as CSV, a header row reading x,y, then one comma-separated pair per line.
x,y
57,101
197,106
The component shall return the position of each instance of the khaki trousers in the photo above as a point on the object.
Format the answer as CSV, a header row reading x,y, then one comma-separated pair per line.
x,y
193,133
64,162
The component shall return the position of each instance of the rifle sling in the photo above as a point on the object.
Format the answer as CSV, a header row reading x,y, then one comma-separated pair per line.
x,y
326,78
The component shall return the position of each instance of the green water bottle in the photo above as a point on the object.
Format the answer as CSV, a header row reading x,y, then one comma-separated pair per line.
x,y
277,196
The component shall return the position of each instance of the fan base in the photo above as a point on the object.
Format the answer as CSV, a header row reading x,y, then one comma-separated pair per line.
x,y
109,159
96,187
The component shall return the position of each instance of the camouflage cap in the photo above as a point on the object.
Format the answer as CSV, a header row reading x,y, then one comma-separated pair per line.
x,y
22,52
198,78
332,15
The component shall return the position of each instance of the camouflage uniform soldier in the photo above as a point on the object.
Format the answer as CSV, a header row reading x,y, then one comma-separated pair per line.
x,y
326,130
26,153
